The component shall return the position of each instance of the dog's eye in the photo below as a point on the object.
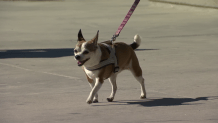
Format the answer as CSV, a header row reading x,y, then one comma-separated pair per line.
x,y
75,51
85,52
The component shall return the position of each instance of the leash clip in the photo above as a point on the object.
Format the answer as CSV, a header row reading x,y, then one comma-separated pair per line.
x,y
114,38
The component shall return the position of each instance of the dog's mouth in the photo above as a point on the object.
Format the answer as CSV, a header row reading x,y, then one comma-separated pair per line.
x,y
80,63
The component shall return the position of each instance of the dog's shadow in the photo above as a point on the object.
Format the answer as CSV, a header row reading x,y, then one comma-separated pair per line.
x,y
42,53
36,53
160,102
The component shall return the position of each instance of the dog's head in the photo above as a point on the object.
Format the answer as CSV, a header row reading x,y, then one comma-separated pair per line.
x,y
85,50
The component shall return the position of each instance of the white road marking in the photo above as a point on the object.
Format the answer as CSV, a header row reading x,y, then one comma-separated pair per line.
x,y
55,74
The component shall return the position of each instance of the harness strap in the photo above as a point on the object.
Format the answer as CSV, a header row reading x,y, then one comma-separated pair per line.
x,y
116,69
111,60
113,54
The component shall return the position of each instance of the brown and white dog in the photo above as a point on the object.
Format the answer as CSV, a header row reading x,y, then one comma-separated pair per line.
x,y
91,53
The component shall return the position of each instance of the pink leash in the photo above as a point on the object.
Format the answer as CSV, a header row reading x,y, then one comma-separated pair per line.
x,y
125,20
116,68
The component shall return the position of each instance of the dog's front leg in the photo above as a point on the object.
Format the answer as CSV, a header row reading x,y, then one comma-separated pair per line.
x,y
98,84
95,100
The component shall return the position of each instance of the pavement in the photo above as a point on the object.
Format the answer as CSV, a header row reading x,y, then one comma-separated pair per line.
x,y
213,4
40,81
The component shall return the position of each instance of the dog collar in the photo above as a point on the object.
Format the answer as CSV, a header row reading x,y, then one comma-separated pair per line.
x,y
111,60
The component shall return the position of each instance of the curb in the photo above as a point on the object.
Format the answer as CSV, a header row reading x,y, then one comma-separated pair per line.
x,y
183,4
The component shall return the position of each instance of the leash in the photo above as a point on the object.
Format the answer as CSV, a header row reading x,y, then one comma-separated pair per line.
x,y
132,9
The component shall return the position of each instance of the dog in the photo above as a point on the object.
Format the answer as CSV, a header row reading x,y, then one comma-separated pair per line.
x,y
91,53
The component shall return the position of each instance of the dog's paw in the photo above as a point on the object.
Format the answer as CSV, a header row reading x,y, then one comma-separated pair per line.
x,y
110,99
89,101
95,101
142,96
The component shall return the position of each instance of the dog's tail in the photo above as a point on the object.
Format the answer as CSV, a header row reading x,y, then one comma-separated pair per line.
x,y
136,43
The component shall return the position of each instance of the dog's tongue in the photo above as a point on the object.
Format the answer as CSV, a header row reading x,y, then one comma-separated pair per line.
x,y
79,62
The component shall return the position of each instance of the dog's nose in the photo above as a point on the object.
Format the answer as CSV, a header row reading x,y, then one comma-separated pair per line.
x,y
77,57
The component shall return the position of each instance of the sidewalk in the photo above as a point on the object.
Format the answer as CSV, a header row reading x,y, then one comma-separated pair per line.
x,y
209,4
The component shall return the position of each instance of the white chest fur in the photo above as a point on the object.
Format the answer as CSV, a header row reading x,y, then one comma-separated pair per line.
x,y
91,74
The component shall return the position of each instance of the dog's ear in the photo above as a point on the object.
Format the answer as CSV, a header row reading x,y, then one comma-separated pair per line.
x,y
80,36
95,39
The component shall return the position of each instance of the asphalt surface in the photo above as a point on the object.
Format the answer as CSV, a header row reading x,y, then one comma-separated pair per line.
x,y
40,81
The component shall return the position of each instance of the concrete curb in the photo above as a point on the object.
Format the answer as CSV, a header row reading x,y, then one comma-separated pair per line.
x,y
185,4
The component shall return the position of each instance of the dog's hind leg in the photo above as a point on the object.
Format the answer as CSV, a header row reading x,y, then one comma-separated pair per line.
x,y
140,79
112,80
137,72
